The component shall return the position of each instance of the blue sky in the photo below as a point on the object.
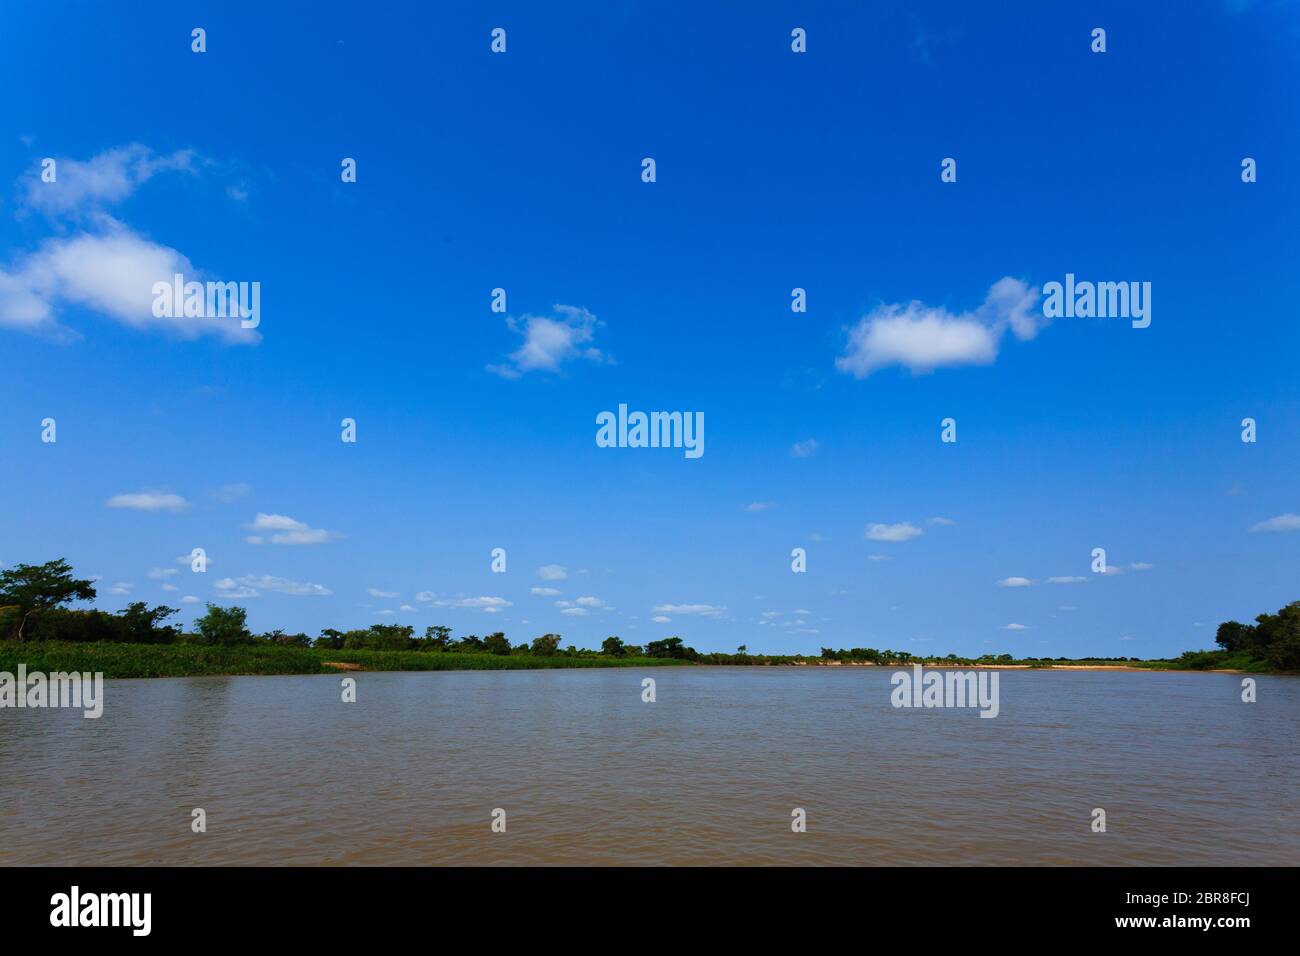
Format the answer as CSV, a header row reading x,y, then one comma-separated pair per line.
x,y
775,170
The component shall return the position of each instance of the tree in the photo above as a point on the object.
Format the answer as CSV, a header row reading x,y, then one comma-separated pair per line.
x,y
470,642
436,638
330,638
1279,637
143,626
546,645
670,647
40,587
742,649
1234,636
613,647
496,643
224,626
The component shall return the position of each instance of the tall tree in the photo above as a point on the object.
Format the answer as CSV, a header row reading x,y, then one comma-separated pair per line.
x,y
226,626
39,587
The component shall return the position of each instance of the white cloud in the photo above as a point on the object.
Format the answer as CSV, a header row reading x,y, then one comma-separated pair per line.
x,y
660,619
880,557
552,572
804,449
590,602
286,530
102,265
189,599
121,587
1282,523
942,522
425,596
575,611
1141,566
704,610
550,341
111,272
489,604
1066,579
149,501
230,493
252,585
1015,627
545,592
922,338
903,531
375,592
107,178
756,506
1015,582
159,574
229,589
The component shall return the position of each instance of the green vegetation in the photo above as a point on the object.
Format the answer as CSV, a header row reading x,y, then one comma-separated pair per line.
x,y
38,629
192,660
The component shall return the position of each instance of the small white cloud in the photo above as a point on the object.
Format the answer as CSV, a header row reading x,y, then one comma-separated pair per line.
x,y
660,619
230,493
551,341
756,506
1282,523
544,592
922,338
880,557
1015,582
107,178
703,610
229,589
375,592
1015,627
804,449
942,522
552,572
593,602
267,582
903,531
160,574
149,501
286,530
575,611
1066,579
189,599
121,587
480,603
1141,566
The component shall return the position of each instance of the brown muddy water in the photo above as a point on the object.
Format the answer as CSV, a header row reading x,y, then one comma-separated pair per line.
x,y
707,774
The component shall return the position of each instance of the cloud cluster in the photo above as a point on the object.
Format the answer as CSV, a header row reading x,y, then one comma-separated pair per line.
x,y
102,265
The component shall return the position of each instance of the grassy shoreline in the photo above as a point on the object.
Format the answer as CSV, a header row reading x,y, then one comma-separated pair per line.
x,y
191,660
194,660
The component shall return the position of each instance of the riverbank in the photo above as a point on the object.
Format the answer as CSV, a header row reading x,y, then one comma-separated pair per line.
x,y
194,660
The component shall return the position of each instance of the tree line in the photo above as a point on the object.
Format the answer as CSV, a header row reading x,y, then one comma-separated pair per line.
x,y
34,599
34,603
